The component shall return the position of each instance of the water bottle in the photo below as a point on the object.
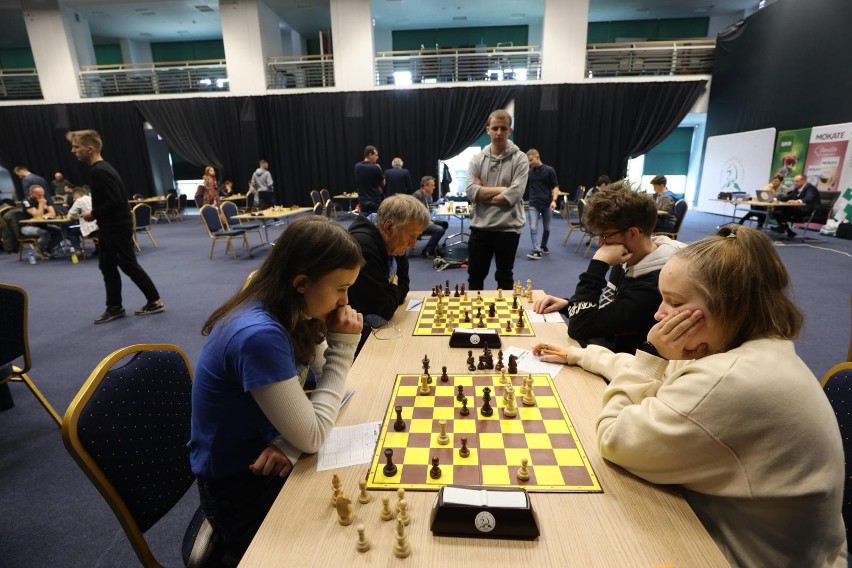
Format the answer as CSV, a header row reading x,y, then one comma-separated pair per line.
x,y
31,258
74,259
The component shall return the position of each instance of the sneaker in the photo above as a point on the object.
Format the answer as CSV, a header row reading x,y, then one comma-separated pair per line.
x,y
427,253
777,229
151,308
545,250
534,255
111,313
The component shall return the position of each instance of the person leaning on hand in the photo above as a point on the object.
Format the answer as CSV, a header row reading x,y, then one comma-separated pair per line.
x,y
718,402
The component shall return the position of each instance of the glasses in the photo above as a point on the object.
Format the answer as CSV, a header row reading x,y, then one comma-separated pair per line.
x,y
604,237
387,332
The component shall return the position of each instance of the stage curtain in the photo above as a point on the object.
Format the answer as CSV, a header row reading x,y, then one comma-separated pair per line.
x,y
34,136
584,131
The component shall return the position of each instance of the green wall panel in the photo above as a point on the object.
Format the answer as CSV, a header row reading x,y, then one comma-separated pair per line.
x,y
109,54
671,156
188,50
404,40
680,28
16,58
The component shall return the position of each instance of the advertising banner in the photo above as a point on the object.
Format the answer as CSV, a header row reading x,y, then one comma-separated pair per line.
x,y
791,148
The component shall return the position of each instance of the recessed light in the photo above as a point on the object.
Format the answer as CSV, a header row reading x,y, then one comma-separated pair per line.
x,y
518,16
204,8
460,18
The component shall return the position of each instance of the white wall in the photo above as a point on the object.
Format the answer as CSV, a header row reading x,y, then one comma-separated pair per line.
x,y
563,43
243,47
352,38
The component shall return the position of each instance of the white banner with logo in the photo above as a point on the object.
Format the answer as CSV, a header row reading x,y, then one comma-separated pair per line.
x,y
734,162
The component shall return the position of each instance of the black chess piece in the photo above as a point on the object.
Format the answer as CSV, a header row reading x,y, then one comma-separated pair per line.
x,y
444,377
390,468
492,310
456,293
481,365
486,409
399,425
460,394
499,366
462,289
435,472
463,451
434,291
464,409
514,302
513,365
481,322
466,316
479,312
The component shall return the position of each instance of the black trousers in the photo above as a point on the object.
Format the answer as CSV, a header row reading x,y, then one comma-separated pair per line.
x,y
235,507
482,246
117,252
265,199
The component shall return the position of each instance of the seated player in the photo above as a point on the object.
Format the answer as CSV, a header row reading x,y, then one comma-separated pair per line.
x,y
288,327
617,314
35,206
804,193
665,201
86,229
718,402
383,283
436,229
757,212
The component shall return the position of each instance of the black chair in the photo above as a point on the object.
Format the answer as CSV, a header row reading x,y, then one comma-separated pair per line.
x,y
581,226
837,384
127,428
328,203
181,205
14,343
229,209
821,213
142,224
213,224
680,210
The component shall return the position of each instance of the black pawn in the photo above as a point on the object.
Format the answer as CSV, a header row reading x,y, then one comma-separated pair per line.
x,y
486,409
456,293
481,322
434,291
466,316
514,302
435,472
399,425
479,312
390,467
444,377
464,409
463,451
499,366
460,394
470,362
492,310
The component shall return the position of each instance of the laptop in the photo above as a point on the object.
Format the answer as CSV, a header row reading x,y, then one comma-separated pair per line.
x,y
765,196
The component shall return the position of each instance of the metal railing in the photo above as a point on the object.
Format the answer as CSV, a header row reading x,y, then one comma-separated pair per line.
x,y
500,63
299,71
684,57
19,84
153,78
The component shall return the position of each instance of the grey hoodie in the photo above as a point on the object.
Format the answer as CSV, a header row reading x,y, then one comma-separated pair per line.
x,y
510,169
262,180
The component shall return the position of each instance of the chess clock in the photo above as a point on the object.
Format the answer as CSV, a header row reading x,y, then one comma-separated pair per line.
x,y
487,513
475,338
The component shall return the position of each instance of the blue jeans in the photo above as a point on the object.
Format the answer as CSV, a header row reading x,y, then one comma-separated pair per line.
x,y
435,231
533,215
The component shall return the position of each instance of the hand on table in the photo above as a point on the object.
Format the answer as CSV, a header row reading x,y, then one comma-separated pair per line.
x,y
672,336
549,304
613,254
345,320
567,355
271,461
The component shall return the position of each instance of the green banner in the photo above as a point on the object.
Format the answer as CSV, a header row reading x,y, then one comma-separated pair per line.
x,y
791,149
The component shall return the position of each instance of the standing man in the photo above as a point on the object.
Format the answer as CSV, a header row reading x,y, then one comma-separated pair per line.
x,y
665,201
28,178
496,179
436,229
398,179
112,212
543,191
804,193
369,181
261,182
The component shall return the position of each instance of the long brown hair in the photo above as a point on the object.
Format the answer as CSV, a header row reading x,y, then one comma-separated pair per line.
x,y
744,283
313,246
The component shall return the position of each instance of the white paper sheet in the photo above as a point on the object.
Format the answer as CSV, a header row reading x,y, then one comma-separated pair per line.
x,y
349,445
553,317
529,363
413,305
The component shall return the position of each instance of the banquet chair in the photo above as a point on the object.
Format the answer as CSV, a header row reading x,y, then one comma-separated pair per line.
x,y
229,209
820,215
142,224
329,204
315,197
680,209
318,209
581,225
14,342
837,385
571,204
213,224
127,429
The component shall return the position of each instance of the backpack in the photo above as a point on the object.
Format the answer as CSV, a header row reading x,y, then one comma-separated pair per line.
x,y
440,263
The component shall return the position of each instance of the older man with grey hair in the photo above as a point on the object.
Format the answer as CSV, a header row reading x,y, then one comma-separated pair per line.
x,y
398,179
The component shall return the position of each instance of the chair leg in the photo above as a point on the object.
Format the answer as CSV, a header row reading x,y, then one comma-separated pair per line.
x,y
565,241
23,378
136,242
582,236
588,247
150,236
212,246
248,246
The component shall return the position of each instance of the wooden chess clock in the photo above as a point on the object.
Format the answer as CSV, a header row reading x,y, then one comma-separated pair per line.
x,y
475,338
486,513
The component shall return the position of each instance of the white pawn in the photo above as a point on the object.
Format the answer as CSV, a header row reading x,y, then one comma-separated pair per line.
x,y
510,410
362,544
523,472
401,547
400,496
386,514
335,490
403,512
364,497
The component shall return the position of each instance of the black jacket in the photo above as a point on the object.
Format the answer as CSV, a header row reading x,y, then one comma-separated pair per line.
x,y
372,292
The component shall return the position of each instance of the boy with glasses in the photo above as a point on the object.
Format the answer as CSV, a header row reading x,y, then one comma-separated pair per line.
x,y
617,313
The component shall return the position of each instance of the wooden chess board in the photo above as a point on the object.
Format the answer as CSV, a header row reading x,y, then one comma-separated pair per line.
x,y
428,322
542,433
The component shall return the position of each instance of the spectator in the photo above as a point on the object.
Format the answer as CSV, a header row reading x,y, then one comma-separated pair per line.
x,y
398,180
617,314
436,229
665,201
602,182
496,180
63,188
261,181
211,187
227,189
28,178
369,181
543,189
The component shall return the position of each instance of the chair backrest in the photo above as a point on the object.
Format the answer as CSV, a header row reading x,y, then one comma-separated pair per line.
x,y
318,209
316,197
229,209
837,384
823,209
328,208
210,216
578,195
138,196
680,209
325,195
141,216
581,206
127,428
13,331
171,201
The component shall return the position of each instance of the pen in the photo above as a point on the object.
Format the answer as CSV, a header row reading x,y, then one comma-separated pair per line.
x,y
415,304
554,352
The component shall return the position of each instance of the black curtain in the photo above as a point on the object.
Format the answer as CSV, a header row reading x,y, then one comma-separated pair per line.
x,y
34,136
584,131
218,132
313,141
769,71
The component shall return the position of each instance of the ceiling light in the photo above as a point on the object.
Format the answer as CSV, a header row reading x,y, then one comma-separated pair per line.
x,y
643,9
460,18
204,8
518,16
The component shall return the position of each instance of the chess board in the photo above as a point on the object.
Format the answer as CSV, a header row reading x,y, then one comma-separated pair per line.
x,y
542,433
429,324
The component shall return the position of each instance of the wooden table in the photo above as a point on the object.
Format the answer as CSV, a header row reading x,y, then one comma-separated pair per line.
x,y
441,212
632,523
237,198
349,197
60,222
272,216
755,203
148,200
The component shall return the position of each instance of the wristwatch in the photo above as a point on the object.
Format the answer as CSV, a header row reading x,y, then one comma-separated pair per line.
x,y
649,348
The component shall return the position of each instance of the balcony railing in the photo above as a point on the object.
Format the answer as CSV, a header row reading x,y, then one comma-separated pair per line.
x,y
299,71
19,84
685,57
154,78
501,63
